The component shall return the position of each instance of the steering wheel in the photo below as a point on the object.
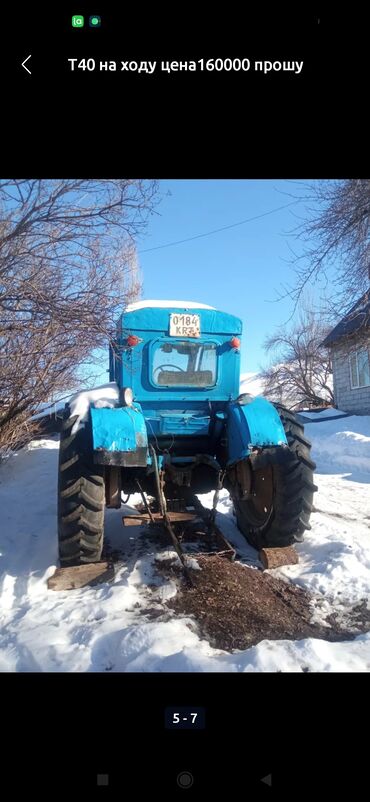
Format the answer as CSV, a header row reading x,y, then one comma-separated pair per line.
x,y
161,367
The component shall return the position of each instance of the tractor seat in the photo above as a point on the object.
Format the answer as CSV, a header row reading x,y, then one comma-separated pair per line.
x,y
198,378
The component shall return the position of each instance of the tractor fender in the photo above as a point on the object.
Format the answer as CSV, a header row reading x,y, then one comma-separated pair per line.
x,y
120,436
252,424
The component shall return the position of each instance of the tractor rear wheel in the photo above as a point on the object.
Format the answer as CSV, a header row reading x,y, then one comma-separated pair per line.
x,y
277,509
81,496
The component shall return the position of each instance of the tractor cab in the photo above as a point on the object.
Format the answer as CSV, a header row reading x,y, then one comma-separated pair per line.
x,y
182,363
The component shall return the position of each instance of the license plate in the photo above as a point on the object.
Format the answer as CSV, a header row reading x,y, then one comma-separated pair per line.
x,y
184,325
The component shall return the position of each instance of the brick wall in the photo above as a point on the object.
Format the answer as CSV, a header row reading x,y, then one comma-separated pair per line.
x,y
355,400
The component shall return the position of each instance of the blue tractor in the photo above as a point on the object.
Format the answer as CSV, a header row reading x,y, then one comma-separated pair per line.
x,y
179,428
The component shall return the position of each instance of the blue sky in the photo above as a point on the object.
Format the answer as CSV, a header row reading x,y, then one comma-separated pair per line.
x,y
238,270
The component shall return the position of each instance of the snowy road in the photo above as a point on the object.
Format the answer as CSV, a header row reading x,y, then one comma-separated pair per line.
x,y
107,628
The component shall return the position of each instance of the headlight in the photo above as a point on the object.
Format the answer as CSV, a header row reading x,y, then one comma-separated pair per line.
x,y
126,396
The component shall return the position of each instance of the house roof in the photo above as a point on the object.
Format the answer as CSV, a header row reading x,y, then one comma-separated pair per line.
x,y
357,319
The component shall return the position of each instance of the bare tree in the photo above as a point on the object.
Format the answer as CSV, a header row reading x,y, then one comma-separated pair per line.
x,y
300,371
67,266
335,234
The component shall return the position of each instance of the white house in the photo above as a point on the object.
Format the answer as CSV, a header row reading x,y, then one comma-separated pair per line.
x,y
349,343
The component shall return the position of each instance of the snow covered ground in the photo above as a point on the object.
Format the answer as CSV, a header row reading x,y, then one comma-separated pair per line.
x,y
109,627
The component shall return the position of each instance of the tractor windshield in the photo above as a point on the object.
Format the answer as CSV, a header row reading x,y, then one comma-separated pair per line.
x,y
184,364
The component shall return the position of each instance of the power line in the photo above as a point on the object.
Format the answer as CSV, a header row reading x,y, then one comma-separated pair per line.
x,y
216,230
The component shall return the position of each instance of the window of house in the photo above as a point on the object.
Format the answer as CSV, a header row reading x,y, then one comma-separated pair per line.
x,y
359,363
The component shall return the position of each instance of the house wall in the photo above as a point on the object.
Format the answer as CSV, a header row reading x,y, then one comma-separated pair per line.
x,y
356,400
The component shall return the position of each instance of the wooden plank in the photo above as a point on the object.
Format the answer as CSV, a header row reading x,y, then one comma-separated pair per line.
x,y
79,576
274,558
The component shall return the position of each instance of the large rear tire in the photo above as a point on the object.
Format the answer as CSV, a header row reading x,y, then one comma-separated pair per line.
x,y
277,510
81,497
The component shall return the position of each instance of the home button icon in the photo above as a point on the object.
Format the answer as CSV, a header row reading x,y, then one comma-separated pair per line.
x,y
185,779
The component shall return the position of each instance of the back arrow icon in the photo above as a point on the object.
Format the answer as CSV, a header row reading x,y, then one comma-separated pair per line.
x,y
24,62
